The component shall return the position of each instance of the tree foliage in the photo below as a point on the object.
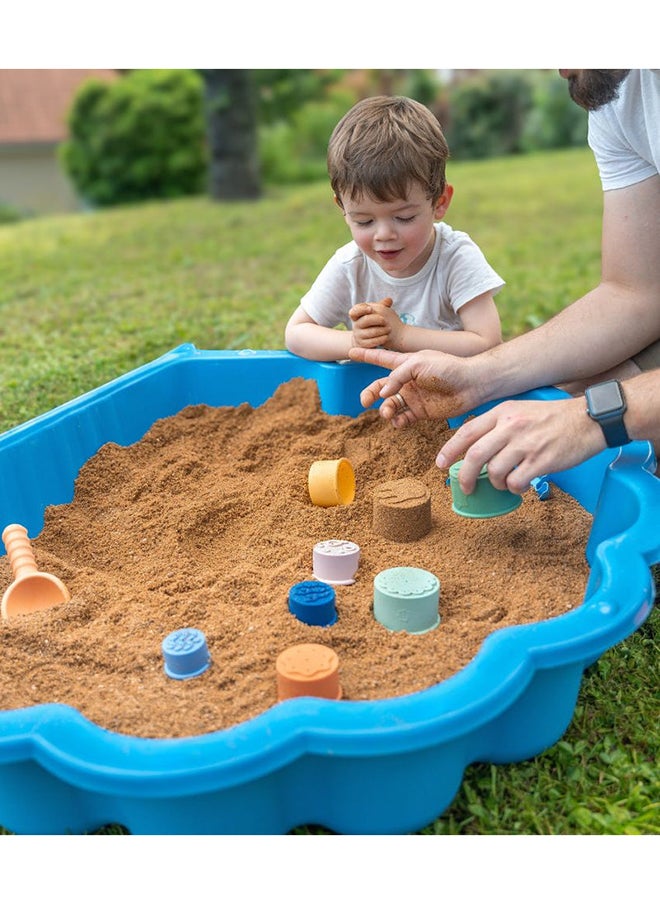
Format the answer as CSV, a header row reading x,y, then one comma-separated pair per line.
x,y
140,137
488,113
281,93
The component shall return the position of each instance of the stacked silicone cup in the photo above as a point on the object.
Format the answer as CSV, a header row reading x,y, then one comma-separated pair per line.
x,y
331,482
407,599
308,670
313,602
486,501
186,653
335,561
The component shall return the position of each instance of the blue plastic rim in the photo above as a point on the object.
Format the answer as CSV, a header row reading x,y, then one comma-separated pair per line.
x,y
364,767
313,602
185,653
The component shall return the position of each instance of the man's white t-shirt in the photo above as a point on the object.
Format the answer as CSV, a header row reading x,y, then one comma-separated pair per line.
x,y
624,135
455,273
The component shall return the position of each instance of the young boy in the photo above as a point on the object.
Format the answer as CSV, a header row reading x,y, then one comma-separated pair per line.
x,y
407,281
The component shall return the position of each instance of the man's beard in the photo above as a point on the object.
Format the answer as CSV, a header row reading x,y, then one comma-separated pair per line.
x,y
593,88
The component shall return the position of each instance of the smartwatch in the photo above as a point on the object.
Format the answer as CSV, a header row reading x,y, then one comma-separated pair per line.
x,y
606,404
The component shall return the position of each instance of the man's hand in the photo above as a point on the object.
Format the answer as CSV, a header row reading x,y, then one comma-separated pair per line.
x,y
520,440
431,384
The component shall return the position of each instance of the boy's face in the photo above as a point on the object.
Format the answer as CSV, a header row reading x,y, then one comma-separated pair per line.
x,y
397,235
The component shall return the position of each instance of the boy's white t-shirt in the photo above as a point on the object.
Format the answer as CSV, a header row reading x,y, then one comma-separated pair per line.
x,y
455,273
624,135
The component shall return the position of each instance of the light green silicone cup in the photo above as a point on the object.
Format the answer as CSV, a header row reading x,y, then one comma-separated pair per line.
x,y
486,501
407,599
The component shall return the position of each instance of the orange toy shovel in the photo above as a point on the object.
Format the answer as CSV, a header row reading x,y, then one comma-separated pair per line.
x,y
31,589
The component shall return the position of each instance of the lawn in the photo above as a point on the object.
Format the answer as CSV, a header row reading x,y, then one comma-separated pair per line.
x,y
85,298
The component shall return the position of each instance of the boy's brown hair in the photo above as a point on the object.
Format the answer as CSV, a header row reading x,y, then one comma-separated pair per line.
x,y
382,145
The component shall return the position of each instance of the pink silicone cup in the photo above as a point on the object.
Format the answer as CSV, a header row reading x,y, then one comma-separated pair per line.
x,y
335,561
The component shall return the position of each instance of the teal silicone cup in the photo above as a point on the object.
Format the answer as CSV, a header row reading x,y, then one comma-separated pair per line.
x,y
407,599
486,501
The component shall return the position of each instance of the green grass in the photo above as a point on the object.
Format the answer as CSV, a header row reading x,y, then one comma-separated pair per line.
x,y
85,298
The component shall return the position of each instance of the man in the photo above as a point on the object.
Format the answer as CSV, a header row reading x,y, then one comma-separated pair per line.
x,y
608,340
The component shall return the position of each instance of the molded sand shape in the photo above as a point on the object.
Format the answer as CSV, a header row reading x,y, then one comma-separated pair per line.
x,y
402,510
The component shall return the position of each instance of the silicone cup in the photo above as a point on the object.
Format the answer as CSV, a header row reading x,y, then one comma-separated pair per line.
x,y
335,561
308,670
485,501
407,599
186,653
331,482
313,602
31,589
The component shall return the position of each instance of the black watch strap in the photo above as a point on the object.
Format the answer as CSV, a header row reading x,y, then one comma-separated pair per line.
x,y
606,404
614,430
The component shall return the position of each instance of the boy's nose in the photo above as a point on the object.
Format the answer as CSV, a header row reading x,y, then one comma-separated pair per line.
x,y
384,231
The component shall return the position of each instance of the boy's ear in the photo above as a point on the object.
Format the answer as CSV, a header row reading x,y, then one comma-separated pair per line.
x,y
338,203
443,202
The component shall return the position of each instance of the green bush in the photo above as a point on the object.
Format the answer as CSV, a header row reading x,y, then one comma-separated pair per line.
x,y
555,121
488,113
281,92
295,151
141,137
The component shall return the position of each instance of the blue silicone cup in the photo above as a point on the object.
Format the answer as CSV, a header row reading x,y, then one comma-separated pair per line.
x,y
313,602
186,653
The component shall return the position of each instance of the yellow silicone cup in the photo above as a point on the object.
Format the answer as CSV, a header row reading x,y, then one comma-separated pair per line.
x,y
331,482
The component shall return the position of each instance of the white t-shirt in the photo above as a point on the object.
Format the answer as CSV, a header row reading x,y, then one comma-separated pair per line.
x,y
455,273
625,134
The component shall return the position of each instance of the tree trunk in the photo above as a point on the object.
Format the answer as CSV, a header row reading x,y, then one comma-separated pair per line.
x,y
231,122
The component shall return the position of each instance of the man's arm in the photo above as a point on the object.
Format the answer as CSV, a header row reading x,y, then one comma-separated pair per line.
x,y
521,440
610,323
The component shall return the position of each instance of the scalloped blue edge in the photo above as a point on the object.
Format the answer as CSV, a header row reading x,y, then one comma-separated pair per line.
x,y
388,766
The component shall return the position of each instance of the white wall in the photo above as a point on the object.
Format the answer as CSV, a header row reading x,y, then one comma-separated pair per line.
x,y
32,180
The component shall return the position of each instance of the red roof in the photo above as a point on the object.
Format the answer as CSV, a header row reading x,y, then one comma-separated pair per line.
x,y
34,103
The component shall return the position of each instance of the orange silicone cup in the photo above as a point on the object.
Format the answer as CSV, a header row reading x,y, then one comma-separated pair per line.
x,y
308,670
331,482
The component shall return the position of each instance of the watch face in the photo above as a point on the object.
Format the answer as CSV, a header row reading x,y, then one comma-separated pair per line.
x,y
605,397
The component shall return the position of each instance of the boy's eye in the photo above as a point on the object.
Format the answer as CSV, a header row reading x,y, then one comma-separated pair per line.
x,y
363,222
405,219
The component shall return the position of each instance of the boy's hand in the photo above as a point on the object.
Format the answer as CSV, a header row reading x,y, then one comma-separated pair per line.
x,y
375,325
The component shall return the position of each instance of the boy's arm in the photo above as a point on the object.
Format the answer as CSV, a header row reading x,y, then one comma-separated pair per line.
x,y
308,339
